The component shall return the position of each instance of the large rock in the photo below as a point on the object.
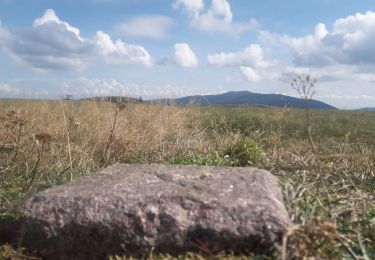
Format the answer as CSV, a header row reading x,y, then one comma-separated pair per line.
x,y
133,209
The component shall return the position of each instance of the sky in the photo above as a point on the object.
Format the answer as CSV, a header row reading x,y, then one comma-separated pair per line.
x,y
174,48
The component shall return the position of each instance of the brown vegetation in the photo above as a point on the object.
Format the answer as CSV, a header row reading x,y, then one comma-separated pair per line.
x,y
329,193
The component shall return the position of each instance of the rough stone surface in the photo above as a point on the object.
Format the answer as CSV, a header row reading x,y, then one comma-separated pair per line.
x,y
133,209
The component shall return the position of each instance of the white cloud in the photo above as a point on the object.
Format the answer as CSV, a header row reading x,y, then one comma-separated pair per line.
x,y
344,53
52,44
89,87
193,7
328,73
251,56
251,62
51,17
222,9
5,88
184,56
218,17
95,87
308,50
250,74
350,42
119,52
209,22
147,26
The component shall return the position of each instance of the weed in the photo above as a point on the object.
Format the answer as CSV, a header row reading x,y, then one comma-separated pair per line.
x,y
118,107
305,88
244,152
7,252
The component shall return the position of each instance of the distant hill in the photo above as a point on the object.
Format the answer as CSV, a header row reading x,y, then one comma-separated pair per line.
x,y
249,99
114,99
233,98
372,109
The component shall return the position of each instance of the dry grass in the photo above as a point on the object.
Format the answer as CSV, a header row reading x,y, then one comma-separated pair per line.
x,y
329,195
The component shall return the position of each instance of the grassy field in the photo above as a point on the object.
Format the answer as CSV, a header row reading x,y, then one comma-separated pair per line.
x,y
329,194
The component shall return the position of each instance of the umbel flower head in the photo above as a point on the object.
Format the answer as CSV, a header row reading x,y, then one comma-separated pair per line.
x,y
43,137
119,107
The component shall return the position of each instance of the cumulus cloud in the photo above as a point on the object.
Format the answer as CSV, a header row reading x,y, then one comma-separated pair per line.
x,y
53,44
350,42
251,56
50,44
119,52
218,17
221,8
250,74
147,26
343,53
250,61
50,16
308,50
184,56
193,7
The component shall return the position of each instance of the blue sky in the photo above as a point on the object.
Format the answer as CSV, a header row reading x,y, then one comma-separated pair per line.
x,y
174,48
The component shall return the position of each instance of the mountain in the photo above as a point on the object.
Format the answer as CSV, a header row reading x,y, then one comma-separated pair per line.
x,y
249,99
232,98
371,109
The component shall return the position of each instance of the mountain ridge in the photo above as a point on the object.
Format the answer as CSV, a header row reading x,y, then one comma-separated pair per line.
x,y
250,99
368,109
231,98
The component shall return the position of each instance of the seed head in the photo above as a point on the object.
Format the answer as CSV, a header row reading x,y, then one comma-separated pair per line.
x,y
43,137
119,107
15,118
